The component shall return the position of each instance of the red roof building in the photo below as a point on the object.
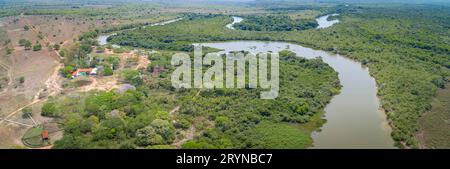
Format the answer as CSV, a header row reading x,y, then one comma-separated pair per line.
x,y
44,135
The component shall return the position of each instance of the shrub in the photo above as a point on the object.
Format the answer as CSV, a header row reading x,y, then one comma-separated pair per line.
x,y
27,112
21,79
108,71
37,47
48,110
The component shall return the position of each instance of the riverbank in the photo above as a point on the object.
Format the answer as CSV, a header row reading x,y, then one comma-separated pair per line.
x,y
407,82
357,99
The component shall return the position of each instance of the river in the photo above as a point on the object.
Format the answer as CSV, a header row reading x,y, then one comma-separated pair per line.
x,y
324,22
354,118
235,20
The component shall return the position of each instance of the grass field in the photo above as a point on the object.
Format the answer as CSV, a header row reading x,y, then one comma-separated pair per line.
x,y
32,138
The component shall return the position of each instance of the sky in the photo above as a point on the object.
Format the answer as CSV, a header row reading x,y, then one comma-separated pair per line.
x,y
245,1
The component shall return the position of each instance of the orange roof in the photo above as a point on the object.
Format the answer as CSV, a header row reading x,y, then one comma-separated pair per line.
x,y
44,134
84,70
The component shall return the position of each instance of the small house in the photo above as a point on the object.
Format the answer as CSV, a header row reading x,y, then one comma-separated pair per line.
x,y
44,135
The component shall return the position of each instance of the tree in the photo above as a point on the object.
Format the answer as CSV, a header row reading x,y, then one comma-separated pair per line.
x,y
100,49
70,141
127,145
182,123
148,136
27,46
9,50
101,103
132,76
56,46
26,27
107,71
66,71
86,48
25,43
27,112
196,145
223,123
165,129
37,47
163,115
439,82
48,109
21,79
109,129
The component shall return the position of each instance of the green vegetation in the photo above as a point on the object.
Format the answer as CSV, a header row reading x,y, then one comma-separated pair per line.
x,y
108,71
32,137
160,37
277,135
306,86
131,76
21,79
56,47
140,117
405,47
37,47
79,56
27,112
25,43
275,23
406,51
107,119
434,125
66,71
49,110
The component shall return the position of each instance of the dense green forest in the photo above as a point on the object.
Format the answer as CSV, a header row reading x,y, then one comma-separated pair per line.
x,y
406,51
275,23
141,118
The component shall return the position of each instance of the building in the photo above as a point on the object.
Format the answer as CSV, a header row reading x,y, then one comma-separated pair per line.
x,y
44,135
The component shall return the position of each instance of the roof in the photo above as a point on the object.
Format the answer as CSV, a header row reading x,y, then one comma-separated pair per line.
x,y
84,70
44,134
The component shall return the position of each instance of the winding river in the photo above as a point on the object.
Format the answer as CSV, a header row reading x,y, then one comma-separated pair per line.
x,y
354,118
324,22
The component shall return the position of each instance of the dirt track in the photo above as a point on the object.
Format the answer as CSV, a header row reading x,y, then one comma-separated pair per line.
x,y
51,84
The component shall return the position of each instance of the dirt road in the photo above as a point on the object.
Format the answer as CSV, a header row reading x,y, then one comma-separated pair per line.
x,y
10,75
